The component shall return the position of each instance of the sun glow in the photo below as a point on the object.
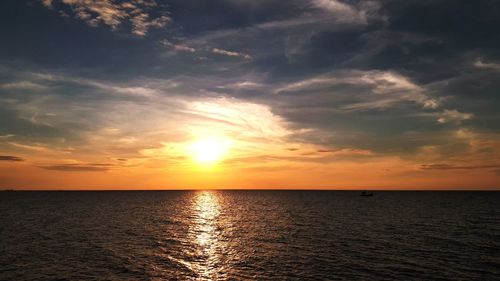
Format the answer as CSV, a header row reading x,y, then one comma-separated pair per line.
x,y
210,150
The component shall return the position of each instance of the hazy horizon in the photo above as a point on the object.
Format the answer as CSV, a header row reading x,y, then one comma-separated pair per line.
x,y
469,189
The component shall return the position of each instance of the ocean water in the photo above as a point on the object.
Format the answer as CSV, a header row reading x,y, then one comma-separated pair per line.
x,y
249,235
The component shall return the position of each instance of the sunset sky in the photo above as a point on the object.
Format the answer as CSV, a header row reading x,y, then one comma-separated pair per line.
x,y
310,94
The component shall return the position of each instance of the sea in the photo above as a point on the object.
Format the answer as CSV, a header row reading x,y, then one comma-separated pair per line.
x,y
249,235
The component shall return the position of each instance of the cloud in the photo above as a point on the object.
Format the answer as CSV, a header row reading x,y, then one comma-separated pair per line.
x,y
250,128
6,136
181,47
230,53
114,88
243,119
245,85
454,167
349,13
141,23
178,47
34,147
347,152
386,88
47,3
113,13
397,87
134,91
480,64
23,85
10,158
448,116
78,167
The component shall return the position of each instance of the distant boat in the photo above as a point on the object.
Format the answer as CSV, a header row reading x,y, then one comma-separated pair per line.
x,y
364,193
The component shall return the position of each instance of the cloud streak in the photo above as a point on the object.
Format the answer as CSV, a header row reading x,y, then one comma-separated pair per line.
x,y
178,47
10,158
78,167
479,63
230,53
454,167
386,88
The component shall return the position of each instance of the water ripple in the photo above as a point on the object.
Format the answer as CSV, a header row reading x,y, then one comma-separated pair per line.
x,y
249,235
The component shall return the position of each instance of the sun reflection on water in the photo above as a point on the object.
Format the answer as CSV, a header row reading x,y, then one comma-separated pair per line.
x,y
204,233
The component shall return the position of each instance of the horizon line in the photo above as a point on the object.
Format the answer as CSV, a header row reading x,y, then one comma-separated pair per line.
x,y
262,189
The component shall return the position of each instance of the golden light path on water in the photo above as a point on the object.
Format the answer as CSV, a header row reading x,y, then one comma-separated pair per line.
x,y
205,234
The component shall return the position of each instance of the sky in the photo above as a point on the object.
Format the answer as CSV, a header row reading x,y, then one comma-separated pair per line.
x,y
310,94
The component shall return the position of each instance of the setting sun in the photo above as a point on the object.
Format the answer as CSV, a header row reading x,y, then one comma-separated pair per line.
x,y
210,150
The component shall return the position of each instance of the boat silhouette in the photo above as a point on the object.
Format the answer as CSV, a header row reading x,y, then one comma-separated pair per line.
x,y
364,193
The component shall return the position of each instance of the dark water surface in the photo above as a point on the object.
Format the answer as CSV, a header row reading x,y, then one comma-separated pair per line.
x,y
249,235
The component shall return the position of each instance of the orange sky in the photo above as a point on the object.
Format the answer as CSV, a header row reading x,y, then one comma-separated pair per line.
x,y
302,167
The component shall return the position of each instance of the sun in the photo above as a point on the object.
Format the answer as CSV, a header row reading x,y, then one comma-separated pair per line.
x,y
209,150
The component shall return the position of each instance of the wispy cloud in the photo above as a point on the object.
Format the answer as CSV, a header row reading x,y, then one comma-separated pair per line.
x,y
112,88
23,85
6,136
178,47
112,13
244,85
10,158
347,152
443,166
33,147
230,53
78,167
386,88
479,63
244,119
197,47
453,116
